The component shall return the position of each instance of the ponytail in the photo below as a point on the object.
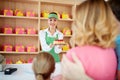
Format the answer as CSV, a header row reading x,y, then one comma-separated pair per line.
x,y
39,77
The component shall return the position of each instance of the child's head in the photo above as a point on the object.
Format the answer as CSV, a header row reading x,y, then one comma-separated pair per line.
x,y
94,24
43,66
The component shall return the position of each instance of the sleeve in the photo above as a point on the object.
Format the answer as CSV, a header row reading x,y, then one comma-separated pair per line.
x,y
57,47
117,49
43,43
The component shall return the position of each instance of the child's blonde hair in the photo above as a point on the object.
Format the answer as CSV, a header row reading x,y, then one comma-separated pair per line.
x,y
43,66
94,24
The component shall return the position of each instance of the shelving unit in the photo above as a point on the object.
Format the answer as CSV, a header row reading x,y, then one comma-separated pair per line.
x,y
18,17
13,21
38,22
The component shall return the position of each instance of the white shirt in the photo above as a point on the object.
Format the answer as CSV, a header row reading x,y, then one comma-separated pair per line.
x,y
44,45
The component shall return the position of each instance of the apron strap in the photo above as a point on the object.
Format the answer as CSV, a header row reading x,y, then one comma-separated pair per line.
x,y
57,36
47,35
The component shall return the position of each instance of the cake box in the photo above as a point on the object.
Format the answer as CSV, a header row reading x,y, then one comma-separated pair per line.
x,y
8,12
7,30
30,48
7,47
30,30
19,30
19,48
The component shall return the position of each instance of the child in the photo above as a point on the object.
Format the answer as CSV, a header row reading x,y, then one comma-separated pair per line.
x,y
43,66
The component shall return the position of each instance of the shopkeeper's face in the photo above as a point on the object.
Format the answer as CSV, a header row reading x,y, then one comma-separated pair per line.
x,y
52,22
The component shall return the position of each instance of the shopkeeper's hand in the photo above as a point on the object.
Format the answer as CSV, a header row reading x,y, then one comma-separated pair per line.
x,y
52,45
60,46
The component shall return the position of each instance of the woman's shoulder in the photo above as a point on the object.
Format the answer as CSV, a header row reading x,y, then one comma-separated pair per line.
x,y
59,32
91,49
43,31
91,53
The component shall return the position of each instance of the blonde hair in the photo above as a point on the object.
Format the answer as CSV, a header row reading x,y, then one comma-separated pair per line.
x,y
43,66
94,24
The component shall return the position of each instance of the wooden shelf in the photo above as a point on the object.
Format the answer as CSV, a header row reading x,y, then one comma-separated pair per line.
x,y
24,17
58,19
23,0
13,52
61,52
63,2
66,19
32,35
67,35
19,17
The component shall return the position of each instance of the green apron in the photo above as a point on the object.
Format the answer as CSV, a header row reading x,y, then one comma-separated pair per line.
x,y
50,40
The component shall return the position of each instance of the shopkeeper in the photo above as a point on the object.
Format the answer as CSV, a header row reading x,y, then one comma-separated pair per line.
x,y
47,38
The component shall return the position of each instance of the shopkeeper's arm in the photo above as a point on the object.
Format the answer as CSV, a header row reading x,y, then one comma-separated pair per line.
x,y
44,45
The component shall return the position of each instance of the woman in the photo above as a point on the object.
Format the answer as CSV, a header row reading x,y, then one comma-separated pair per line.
x,y
47,38
94,33
43,66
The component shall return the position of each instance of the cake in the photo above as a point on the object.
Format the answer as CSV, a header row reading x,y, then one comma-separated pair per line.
x,y
59,42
